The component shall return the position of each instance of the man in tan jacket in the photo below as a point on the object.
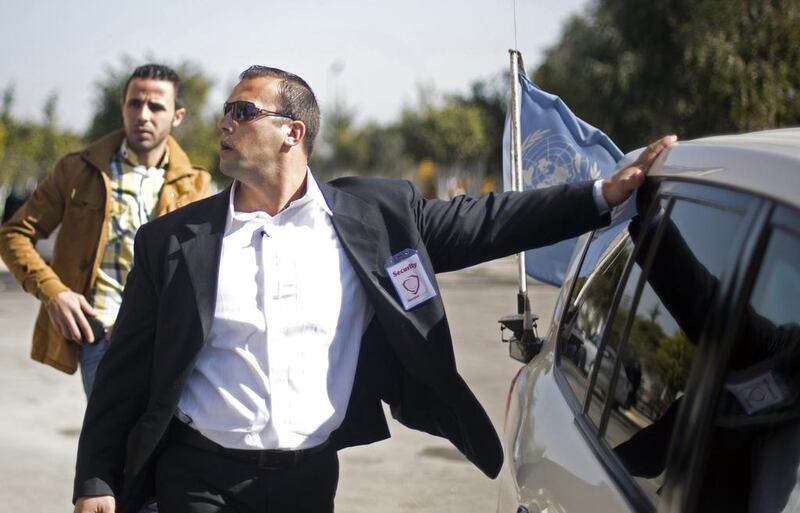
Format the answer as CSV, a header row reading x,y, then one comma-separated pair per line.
x,y
100,196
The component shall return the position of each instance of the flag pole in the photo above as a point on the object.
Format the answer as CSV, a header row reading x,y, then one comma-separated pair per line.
x,y
524,343
523,304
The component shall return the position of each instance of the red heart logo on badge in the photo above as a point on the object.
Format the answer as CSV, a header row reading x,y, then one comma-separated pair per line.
x,y
411,283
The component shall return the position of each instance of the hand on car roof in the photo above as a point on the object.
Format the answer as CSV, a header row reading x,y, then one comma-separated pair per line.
x,y
619,186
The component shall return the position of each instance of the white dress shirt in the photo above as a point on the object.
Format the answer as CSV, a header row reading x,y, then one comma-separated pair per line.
x,y
277,368
599,200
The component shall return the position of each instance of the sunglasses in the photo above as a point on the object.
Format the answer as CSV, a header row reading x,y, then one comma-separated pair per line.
x,y
242,111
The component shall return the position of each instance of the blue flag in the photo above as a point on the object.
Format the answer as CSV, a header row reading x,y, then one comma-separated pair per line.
x,y
557,148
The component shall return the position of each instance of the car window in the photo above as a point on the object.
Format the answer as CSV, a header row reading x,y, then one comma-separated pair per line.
x,y
623,388
650,346
607,254
754,454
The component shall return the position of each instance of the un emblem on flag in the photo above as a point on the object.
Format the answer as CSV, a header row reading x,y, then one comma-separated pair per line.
x,y
550,158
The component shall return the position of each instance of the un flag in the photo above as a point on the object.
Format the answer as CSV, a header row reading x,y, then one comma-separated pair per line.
x,y
557,148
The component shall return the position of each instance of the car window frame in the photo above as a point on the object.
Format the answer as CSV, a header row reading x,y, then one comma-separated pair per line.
x,y
559,318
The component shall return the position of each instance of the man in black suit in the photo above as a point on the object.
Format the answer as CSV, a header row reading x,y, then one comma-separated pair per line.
x,y
261,328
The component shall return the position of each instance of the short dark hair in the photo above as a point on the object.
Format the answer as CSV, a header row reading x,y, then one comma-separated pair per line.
x,y
295,99
157,72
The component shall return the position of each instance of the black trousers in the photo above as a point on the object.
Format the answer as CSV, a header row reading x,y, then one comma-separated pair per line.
x,y
194,479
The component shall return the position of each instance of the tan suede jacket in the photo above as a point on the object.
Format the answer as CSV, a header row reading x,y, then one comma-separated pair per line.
x,y
76,196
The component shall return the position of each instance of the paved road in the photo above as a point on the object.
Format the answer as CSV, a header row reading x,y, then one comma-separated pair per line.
x,y
42,411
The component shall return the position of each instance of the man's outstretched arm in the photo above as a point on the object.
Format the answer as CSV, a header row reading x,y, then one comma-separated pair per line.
x,y
467,231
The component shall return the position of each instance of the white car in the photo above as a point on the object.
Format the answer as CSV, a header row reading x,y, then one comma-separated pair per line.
x,y
694,306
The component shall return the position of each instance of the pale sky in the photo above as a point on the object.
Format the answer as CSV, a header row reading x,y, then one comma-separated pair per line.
x,y
381,50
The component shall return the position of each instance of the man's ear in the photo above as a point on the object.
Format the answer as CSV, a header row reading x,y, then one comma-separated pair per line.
x,y
178,117
296,134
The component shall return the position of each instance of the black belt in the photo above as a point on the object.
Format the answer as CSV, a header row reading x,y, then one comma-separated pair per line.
x,y
266,459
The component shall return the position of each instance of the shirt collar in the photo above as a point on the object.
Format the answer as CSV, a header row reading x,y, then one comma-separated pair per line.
x,y
313,195
130,157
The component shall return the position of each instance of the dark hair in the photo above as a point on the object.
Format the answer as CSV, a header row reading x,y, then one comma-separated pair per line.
x,y
295,99
157,72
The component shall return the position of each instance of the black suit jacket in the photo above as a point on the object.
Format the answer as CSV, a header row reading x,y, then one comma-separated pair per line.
x,y
406,359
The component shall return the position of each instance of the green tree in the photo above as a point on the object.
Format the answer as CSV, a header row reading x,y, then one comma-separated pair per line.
x,y
345,148
673,359
107,115
52,145
454,137
490,97
6,101
4,122
198,133
451,134
340,150
28,149
460,133
386,155
641,69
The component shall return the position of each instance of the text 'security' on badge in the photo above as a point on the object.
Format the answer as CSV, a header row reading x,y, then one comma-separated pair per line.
x,y
410,278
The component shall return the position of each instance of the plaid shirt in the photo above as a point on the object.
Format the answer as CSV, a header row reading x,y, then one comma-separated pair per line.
x,y
134,197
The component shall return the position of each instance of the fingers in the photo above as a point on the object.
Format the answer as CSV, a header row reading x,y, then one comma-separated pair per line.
x,y
634,178
72,325
84,324
63,322
64,331
86,329
66,313
653,150
621,185
86,307
103,504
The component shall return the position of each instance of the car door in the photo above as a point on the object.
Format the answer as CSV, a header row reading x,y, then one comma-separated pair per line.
x,y
552,468
609,308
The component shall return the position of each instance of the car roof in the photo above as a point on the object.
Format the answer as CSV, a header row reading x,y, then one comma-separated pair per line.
x,y
766,163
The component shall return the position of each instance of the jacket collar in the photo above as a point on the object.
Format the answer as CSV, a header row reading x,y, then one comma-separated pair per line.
x,y
98,154
351,217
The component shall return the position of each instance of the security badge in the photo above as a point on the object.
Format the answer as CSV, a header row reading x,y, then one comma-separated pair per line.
x,y
410,278
759,392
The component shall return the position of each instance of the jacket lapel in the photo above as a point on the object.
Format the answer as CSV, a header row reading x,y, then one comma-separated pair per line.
x,y
360,239
415,334
367,246
201,251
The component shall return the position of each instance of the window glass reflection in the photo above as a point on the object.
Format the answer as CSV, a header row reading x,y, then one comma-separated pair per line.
x,y
579,334
754,458
655,359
